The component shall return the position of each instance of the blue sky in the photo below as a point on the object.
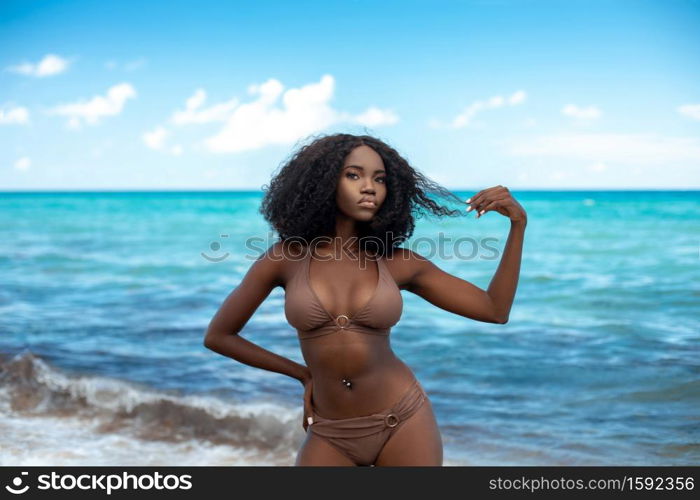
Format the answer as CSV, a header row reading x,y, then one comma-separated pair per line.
x,y
215,95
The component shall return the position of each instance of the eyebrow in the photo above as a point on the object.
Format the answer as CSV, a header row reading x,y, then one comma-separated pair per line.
x,y
362,168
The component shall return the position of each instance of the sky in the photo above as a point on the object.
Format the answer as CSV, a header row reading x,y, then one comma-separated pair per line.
x,y
203,95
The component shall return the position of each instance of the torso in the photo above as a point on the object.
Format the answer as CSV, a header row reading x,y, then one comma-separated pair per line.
x,y
345,286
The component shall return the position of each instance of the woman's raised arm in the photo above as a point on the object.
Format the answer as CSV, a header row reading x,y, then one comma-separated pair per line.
x,y
460,296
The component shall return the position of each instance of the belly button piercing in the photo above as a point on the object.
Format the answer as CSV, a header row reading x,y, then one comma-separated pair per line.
x,y
347,383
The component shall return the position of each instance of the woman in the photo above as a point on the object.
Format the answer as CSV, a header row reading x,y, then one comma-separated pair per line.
x,y
341,206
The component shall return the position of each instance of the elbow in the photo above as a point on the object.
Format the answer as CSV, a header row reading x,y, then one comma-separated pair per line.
x,y
212,339
209,340
496,312
500,319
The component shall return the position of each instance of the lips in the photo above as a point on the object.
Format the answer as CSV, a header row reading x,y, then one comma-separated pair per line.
x,y
367,202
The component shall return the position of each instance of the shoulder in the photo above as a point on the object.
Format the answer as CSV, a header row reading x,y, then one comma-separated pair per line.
x,y
405,264
275,262
406,257
280,261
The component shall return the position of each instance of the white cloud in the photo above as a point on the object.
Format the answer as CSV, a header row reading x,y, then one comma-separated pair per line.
x,y
470,112
156,138
23,163
375,117
17,114
50,65
192,114
273,116
259,123
156,141
690,110
92,110
589,113
517,97
637,149
302,111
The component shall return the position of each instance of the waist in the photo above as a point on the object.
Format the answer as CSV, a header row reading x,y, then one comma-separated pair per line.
x,y
371,392
347,354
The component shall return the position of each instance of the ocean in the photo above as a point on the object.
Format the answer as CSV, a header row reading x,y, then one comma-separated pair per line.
x,y
105,298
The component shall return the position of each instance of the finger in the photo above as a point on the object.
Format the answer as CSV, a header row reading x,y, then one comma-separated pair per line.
x,y
498,204
479,197
476,197
475,201
468,200
486,195
308,408
308,419
486,201
488,207
482,202
471,200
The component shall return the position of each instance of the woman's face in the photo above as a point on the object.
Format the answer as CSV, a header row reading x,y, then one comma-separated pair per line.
x,y
362,177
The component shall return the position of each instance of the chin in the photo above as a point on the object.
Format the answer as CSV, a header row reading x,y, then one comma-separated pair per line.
x,y
365,217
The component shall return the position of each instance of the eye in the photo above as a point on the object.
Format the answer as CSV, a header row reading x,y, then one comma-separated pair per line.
x,y
382,179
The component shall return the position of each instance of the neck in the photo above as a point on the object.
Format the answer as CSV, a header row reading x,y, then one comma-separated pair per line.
x,y
346,234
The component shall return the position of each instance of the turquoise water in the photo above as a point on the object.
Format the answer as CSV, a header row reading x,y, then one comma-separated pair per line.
x,y
105,297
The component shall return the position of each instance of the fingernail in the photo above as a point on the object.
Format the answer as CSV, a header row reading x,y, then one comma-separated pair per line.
x,y
469,200
310,420
482,212
470,209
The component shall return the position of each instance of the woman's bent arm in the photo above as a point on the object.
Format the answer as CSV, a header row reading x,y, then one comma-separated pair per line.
x,y
222,334
236,347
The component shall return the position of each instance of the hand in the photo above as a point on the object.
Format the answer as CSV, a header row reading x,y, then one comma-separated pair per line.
x,y
497,198
308,387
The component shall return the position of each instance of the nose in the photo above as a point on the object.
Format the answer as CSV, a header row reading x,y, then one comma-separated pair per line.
x,y
368,187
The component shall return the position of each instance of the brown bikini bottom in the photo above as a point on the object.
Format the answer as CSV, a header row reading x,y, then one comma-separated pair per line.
x,y
361,439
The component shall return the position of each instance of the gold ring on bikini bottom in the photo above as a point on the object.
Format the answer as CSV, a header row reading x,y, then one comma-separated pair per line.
x,y
393,418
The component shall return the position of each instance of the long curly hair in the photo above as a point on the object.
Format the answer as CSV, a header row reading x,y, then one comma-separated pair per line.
x,y
299,202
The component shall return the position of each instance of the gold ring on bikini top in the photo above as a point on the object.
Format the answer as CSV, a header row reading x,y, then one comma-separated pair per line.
x,y
345,323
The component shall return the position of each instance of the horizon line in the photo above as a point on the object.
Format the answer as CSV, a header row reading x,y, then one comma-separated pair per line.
x,y
250,190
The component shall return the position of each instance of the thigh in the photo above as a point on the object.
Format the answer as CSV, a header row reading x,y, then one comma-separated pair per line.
x,y
317,451
416,441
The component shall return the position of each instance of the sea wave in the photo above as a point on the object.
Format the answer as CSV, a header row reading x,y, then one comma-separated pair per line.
x,y
32,388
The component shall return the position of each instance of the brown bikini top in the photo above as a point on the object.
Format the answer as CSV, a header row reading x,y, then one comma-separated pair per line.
x,y
305,312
